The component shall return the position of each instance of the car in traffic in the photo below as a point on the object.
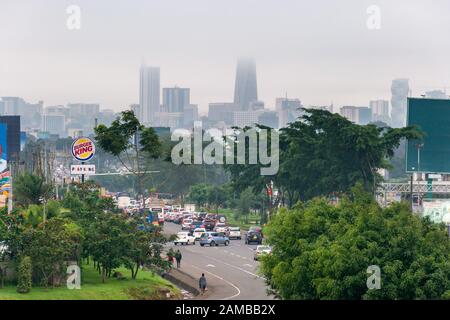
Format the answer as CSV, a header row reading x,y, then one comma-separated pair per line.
x,y
253,237
221,227
198,232
234,233
186,224
260,251
184,238
209,224
256,229
196,224
214,239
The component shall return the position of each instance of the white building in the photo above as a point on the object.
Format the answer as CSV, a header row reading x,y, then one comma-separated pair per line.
x,y
54,124
149,94
288,110
380,111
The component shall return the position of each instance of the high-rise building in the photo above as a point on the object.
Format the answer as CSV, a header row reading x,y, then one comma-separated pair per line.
x,y
365,115
222,111
380,111
400,91
190,114
351,113
245,89
54,124
246,118
288,110
149,94
175,99
81,110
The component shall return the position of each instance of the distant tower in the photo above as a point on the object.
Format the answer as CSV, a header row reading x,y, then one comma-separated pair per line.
x,y
245,89
399,90
149,94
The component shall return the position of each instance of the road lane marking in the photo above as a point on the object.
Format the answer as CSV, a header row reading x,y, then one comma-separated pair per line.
x,y
248,265
211,265
226,281
239,268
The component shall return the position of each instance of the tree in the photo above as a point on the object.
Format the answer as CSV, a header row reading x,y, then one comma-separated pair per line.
x,y
24,275
31,189
322,251
324,154
131,142
50,246
198,193
108,242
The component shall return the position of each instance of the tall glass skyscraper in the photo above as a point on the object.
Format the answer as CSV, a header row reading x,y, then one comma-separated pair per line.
x,y
400,91
149,94
245,89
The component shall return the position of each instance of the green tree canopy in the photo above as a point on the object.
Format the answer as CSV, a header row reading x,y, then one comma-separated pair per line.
x,y
322,251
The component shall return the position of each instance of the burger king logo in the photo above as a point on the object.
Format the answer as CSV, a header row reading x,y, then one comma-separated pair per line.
x,y
83,149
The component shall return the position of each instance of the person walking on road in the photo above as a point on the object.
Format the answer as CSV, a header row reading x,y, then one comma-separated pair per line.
x,y
202,283
178,257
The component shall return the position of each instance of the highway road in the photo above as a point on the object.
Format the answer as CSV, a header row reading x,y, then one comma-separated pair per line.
x,y
231,272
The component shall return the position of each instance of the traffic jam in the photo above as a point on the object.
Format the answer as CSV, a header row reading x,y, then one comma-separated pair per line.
x,y
208,229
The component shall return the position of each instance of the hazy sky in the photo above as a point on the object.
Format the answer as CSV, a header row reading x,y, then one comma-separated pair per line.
x,y
319,51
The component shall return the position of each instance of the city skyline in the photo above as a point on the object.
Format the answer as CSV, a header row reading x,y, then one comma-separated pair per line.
x,y
338,60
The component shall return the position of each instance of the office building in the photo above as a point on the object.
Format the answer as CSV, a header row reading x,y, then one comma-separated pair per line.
x,y
54,124
288,110
400,91
245,89
380,111
190,114
149,94
175,99
222,111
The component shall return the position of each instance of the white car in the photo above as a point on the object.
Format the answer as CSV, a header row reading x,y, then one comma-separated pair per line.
x,y
221,228
184,238
261,250
198,232
234,233
186,224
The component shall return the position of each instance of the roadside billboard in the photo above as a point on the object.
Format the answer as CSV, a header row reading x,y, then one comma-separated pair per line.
x,y
12,136
436,209
3,147
432,155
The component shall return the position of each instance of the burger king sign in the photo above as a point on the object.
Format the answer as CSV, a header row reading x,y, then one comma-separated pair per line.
x,y
83,149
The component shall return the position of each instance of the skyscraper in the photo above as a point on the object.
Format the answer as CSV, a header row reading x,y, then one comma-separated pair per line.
x,y
288,110
399,90
176,99
149,94
245,89
380,111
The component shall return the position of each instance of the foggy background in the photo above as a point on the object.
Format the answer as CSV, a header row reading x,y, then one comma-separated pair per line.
x,y
318,51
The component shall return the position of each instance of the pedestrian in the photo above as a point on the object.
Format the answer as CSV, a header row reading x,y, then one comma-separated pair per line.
x,y
202,283
178,257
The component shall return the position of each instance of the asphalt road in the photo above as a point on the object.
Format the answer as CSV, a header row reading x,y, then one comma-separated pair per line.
x,y
231,272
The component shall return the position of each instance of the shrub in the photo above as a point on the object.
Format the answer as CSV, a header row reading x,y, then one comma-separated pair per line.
x,y
24,275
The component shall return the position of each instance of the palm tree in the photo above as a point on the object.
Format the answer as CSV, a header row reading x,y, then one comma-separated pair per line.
x,y
31,189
